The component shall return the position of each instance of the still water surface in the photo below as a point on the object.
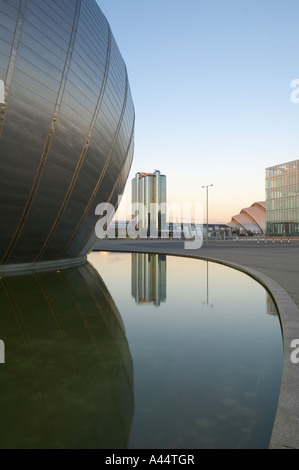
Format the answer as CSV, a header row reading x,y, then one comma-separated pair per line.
x,y
138,351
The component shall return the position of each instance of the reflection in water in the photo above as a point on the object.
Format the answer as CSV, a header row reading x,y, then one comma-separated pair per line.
x,y
207,302
271,306
204,378
68,377
148,278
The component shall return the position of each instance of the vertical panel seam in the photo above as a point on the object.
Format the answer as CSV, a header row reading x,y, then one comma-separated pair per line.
x,y
83,153
49,137
12,60
113,189
103,172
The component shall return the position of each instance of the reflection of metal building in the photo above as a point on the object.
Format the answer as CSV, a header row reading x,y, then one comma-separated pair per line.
x,y
68,377
66,129
148,278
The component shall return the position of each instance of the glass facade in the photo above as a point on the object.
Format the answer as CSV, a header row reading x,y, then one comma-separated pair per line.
x,y
149,190
282,200
66,127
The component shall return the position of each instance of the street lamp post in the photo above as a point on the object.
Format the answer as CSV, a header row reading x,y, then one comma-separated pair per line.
x,y
207,187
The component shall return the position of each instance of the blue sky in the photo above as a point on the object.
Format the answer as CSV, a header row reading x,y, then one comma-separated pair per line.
x,y
211,85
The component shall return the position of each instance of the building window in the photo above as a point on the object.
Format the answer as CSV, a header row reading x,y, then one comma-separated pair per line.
x,y
282,202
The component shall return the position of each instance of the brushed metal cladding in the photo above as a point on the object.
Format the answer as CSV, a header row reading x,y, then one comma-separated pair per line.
x,y
66,127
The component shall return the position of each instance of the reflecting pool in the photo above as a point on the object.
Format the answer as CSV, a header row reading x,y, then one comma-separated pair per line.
x,y
67,381
206,346
137,351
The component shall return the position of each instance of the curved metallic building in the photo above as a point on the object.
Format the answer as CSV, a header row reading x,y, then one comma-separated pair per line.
x,y
251,219
66,129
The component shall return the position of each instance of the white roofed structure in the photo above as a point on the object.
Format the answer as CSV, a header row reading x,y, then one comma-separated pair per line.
x,y
251,219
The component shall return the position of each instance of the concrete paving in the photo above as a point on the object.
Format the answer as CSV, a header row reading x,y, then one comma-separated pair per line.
x,y
276,266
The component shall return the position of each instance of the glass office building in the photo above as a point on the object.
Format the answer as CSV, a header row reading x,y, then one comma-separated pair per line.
x,y
149,191
282,200
66,128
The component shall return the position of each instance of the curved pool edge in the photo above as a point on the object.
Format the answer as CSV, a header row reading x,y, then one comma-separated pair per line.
x,y
285,433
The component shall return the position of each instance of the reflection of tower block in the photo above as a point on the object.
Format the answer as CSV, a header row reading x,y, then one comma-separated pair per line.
x,y
148,278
